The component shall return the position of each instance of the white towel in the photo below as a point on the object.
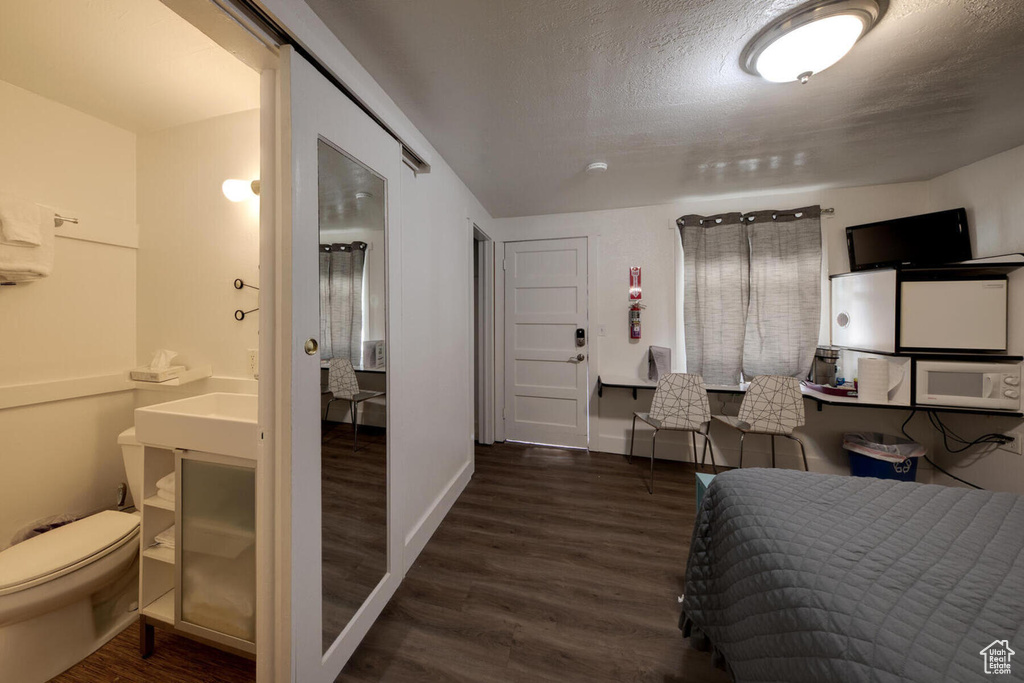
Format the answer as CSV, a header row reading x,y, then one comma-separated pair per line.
x,y
165,495
21,262
20,221
166,537
166,484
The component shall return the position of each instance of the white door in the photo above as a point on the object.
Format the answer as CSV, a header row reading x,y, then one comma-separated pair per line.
x,y
545,370
329,138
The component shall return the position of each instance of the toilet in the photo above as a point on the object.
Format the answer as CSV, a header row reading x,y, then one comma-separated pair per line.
x,y
65,593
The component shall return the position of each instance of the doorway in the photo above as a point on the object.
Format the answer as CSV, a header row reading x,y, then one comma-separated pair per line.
x,y
483,337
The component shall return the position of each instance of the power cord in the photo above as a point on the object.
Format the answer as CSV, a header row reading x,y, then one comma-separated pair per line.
x,y
941,427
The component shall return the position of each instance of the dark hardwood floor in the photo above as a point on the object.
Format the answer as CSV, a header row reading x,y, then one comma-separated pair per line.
x,y
355,518
553,565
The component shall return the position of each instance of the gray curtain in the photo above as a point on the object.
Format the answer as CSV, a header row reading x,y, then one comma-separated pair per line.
x,y
784,315
341,300
716,269
752,295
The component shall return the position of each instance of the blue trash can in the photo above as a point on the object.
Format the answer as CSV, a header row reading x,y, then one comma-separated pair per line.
x,y
883,456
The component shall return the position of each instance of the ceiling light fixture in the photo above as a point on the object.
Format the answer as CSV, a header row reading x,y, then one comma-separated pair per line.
x,y
597,167
240,190
809,39
364,195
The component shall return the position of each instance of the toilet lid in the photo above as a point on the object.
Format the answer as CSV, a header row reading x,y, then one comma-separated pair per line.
x,y
63,547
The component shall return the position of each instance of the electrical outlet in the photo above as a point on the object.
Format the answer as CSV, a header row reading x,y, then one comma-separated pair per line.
x,y
254,363
1017,445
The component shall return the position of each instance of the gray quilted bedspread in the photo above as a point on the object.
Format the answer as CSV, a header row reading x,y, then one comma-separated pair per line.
x,y
805,577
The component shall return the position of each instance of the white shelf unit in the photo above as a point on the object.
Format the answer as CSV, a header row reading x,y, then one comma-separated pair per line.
x,y
156,572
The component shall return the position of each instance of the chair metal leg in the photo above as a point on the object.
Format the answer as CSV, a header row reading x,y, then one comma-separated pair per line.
x,y
355,427
709,447
741,449
654,444
327,410
773,451
632,434
693,441
803,451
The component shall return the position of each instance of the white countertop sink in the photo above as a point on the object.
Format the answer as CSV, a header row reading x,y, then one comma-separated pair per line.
x,y
214,423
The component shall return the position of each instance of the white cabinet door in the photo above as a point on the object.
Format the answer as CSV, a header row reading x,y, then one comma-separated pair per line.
x,y
545,371
864,311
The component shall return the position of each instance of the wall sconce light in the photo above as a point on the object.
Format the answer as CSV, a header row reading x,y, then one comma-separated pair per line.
x,y
809,39
240,190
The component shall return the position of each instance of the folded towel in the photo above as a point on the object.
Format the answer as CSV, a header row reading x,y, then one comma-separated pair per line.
x,y
166,537
659,362
165,494
166,484
22,262
20,221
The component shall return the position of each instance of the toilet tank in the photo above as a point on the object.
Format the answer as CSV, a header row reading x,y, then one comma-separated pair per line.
x,y
131,452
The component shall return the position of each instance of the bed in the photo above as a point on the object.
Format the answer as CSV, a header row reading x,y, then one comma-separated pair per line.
x,y
804,577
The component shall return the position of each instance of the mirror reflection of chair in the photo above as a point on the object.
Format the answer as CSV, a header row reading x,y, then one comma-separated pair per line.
x,y
343,385
680,404
772,405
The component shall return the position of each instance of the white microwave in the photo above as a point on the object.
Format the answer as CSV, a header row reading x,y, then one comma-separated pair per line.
x,y
967,384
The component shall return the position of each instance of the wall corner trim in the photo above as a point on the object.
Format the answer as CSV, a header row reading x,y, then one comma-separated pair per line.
x,y
425,527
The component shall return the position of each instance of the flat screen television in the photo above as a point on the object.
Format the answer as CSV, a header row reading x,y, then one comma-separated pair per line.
x,y
926,240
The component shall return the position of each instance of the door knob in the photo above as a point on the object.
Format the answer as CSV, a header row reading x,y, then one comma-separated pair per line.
x,y
578,358
311,346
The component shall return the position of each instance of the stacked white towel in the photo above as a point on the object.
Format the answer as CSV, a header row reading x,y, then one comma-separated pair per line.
x,y
165,487
166,537
26,240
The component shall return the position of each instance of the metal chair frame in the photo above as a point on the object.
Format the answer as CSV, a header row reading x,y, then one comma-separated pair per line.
x,y
705,432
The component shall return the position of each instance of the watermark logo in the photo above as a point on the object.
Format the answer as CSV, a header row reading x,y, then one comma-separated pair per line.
x,y
997,656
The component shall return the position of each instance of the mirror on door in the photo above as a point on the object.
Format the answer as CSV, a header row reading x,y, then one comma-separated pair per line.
x,y
353,371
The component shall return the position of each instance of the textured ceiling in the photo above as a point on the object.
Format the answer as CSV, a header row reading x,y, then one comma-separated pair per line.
x,y
133,63
519,95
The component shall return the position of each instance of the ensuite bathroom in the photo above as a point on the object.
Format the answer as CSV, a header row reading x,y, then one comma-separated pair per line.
x,y
129,278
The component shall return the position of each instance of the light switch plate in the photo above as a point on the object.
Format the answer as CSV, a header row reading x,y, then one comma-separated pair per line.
x,y
600,331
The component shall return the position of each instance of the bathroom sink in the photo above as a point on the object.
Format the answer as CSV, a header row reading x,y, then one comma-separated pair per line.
x,y
215,423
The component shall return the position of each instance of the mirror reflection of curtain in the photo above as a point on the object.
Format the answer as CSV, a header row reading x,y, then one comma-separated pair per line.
x,y
341,300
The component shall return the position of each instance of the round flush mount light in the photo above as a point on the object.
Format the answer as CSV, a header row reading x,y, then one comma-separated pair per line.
x,y
597,167
364,195
809,39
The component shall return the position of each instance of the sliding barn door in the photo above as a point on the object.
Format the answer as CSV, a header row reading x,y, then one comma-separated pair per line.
x,y
346,552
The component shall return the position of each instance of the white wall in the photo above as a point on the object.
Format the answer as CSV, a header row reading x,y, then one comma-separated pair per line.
x,y
993,192
62,456
648,237
193,243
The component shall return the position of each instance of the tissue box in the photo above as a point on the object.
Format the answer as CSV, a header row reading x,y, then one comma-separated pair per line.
x,y
151,375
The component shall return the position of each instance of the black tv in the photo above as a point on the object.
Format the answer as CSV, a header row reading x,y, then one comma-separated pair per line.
x,y
930,239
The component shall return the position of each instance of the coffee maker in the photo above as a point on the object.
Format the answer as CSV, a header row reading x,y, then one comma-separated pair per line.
x,y
823,370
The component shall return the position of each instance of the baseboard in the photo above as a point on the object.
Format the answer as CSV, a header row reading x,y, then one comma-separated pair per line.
x,y
425,527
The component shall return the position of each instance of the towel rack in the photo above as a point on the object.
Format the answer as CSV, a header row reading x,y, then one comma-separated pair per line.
x,y
59,220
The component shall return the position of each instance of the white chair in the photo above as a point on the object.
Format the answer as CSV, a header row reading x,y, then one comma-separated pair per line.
x,y
680,404
342,385
772,405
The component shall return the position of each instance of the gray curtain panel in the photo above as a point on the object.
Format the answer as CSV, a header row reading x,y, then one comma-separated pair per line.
x,y
716,270
341,300
785,292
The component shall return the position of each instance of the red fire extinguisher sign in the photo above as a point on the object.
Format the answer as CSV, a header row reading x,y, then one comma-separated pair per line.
x,y
635,293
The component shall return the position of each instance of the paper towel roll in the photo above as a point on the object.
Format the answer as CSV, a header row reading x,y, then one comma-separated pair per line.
x,y
873,380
